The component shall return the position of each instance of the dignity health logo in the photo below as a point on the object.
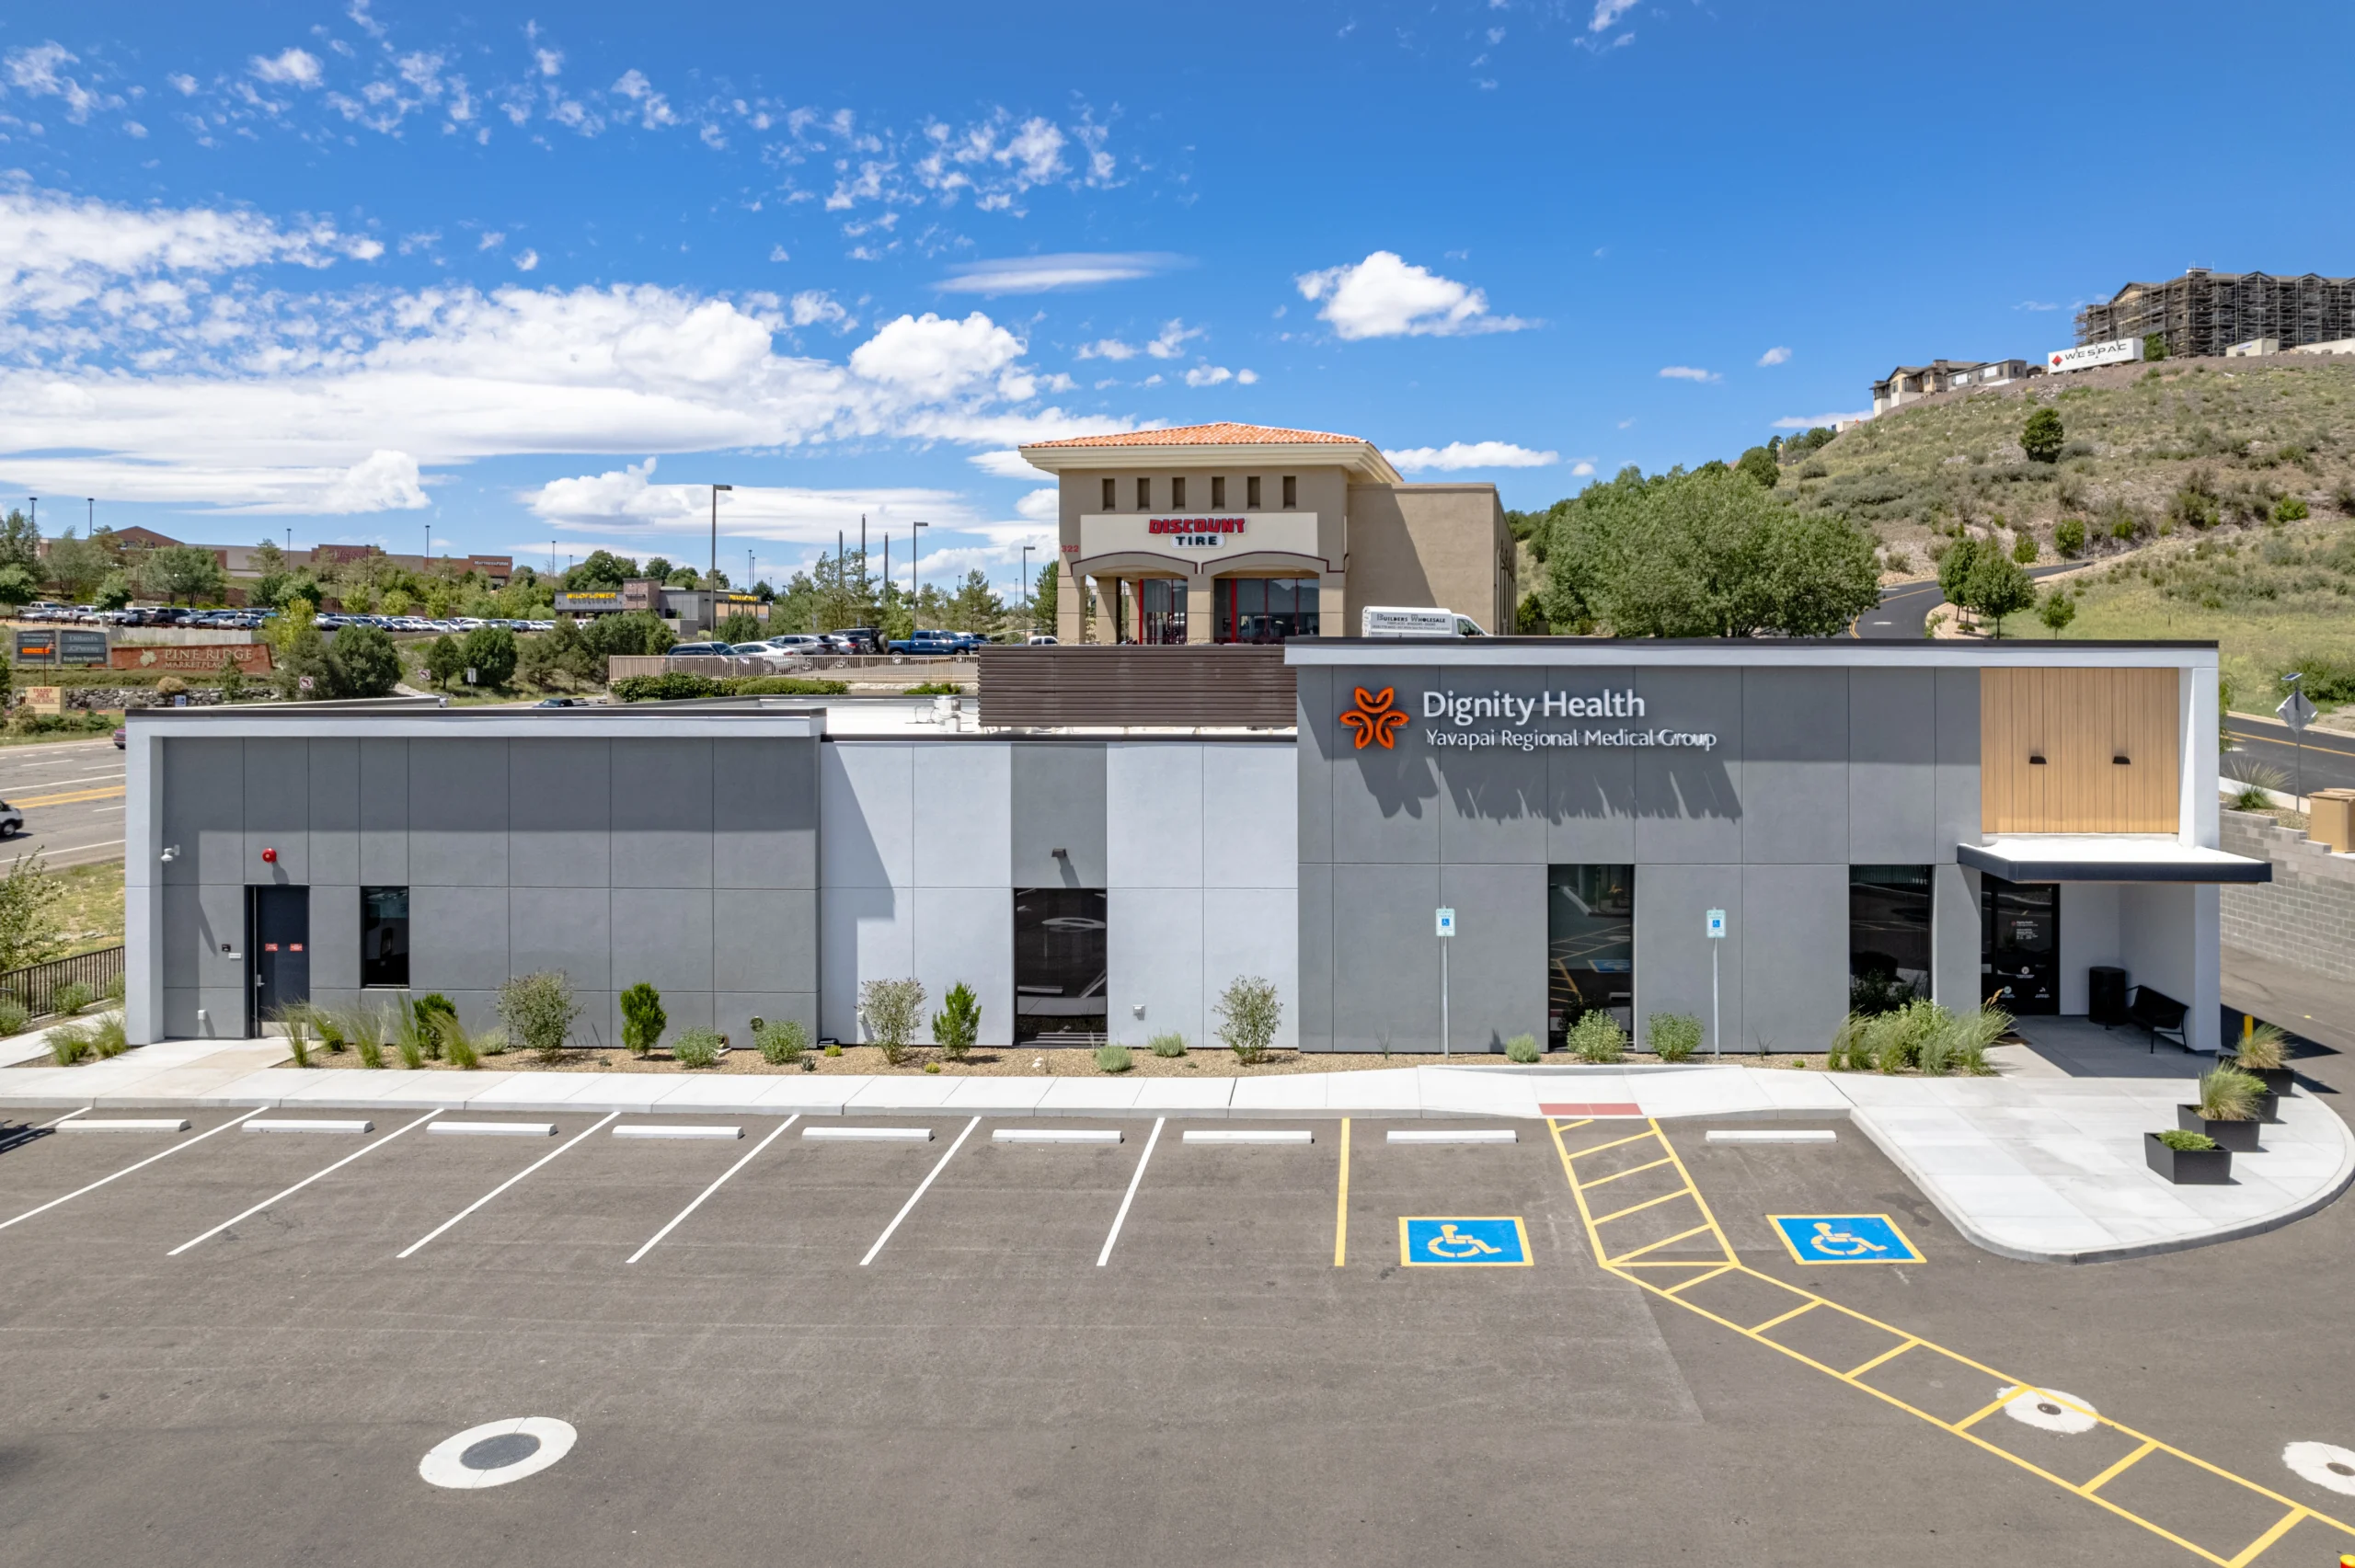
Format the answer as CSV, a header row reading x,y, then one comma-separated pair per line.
x,y
1373,719
1512,721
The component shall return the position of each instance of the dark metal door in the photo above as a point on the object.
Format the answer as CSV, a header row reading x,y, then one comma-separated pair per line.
x,y
2020,945
279,951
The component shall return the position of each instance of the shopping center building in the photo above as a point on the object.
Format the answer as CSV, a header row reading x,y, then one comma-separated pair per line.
x,y
1964,820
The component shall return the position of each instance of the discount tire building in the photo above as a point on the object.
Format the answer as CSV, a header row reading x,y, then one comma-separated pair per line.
x,y
1958,820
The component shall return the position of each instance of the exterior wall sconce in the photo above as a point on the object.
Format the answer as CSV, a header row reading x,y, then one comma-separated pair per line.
x,y
2121,762
2036,760
171,852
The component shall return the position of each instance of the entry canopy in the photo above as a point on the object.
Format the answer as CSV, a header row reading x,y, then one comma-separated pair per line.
x,y
2109,857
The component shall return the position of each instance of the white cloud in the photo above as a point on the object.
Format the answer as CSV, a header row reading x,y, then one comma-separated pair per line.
x,y
1458,455
183,84
1687,373
2035,304
526,260
1043,505
1170,343
37,73
1038,274
1108,349
654,109
1809,422
815,307
1383,297
1607,12
934,358
778,253
627,500
1582,469
293,68
1248,378
1778,355
1208,375
1008,464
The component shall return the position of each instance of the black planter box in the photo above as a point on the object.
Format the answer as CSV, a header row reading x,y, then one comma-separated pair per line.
x,y
2276,1079
2237,1135
2268,1106
2189,1167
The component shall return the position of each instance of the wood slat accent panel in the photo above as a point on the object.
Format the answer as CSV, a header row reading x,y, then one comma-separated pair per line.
x,y
2077,720
1186,685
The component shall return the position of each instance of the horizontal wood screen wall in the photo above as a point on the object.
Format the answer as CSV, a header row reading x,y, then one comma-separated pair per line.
x,y
1186,685
2079,721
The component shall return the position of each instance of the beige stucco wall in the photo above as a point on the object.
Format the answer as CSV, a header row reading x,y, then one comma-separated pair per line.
x,y
1442,545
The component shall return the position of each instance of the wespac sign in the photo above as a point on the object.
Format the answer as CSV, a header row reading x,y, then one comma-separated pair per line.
x,y
1547,720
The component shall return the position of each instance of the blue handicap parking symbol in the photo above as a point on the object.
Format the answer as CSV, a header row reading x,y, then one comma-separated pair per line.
x,y
1490,1241
1844,1238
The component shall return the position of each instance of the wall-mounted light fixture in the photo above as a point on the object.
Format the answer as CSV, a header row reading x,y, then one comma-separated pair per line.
x,y
171,852
2121,762
1059,854
2035,760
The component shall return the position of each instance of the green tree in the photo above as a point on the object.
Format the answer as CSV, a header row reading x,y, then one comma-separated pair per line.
x,y
2069,535
602,569
363,662
19,542
113,593
684,576
1760,465
643,1019
1997,587
1703,555
18,586
1955,569
741,628
559,657
299,649
659,568
183,571
28,927
975,606
445,660
491,654
2024,548
2041,438
2057,611
2154,345
76,566
637,632
1042,600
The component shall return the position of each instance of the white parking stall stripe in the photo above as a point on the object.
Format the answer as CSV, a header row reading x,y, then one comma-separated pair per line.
x,y
501,1187
298,1187
102,1181
30,1131
928,1178
1122,1218
713,1188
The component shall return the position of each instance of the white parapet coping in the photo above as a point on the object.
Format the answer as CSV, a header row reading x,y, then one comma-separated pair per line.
x,y
124,1124
1056,1134
1771,1135
496,1129
678,1129
307,1123
1453,1135
869,1134
1249,1135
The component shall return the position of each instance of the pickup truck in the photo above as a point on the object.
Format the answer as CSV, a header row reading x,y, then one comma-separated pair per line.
x,y
936,644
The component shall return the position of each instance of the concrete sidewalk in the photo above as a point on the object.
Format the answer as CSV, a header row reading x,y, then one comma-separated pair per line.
x,y
2036,1164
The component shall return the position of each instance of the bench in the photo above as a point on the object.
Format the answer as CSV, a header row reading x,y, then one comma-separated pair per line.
x,y
2158,1013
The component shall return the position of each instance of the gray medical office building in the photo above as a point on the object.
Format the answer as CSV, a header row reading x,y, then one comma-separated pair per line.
x,y
1966,821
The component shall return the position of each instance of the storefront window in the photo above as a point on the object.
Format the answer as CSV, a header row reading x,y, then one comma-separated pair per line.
x,y
1590,944
1059,963
1153,610
1265,609
1889,936
383,936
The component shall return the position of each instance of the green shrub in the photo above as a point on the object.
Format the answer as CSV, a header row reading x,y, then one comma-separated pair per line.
x,y
1674,1035
2176,1137
371,1049
833,1048
408,1038
1596,1038
959,1023
1113,1058
539,1011
695,1048
931,1067
782,1042
781,686
2263,1047
2228,1094
458,1046
116,989
429,1010
2024,549
2041,438
672,686
888,1010
13,1015
298,1047
70,999
2069,536
643,1019
2289,509
108,1036
68,1043
1523,1048
1248,1016
935,689
1168,1045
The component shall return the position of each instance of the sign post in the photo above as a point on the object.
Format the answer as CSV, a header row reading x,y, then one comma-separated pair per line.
x,y
1446,922
2297,712
1717,927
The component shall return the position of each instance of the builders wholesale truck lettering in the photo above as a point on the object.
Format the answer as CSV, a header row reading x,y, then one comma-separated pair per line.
x,y
1532,723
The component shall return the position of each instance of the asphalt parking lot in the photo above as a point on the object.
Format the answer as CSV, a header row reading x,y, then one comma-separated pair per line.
x,y
862,1351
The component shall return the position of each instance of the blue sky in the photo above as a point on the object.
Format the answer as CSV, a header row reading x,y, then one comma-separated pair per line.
x,y
533,280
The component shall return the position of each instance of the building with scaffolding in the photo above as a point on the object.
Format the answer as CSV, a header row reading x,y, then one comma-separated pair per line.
x,y
2205,313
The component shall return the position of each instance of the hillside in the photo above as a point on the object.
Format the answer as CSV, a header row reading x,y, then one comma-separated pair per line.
x,y
2152,451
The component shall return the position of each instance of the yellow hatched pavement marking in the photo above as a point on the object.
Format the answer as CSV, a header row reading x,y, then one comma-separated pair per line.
x,y
1729,1263
1632,1170
1639,1207
70,798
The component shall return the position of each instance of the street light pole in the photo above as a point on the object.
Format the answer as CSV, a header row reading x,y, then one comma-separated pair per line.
x,y
915,563
1026,575
715,537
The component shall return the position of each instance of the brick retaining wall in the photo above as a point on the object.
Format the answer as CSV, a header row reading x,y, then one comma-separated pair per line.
x,y
2305,916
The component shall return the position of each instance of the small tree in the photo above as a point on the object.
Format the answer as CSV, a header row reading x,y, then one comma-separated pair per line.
x,y
363,662
1249,1015
2024,548
300,651
113,593
959,1023
490,652
2057,611
643,1019
2069,535
891,1010
445,660
538,1010
1760,465
1954,569
2041,436
29,929
1997,587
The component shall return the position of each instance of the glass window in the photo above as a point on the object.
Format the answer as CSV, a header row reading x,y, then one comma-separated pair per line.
x,y
1889,936
1265,609
1177,494
1590,945
1059,963
2019,946
383,936
1111,495
1292,491
1218,492
1251,493
1161,609
1145,495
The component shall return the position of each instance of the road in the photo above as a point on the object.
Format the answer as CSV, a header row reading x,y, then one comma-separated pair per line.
x,y
1903,608
71,793
2326,761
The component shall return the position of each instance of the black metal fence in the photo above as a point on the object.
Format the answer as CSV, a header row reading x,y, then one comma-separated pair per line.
x,y
37,985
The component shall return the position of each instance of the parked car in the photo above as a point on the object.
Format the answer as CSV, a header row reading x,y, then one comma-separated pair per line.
x,y
1040,640
12,821
799,643
929,643
562,703
714,650
118,733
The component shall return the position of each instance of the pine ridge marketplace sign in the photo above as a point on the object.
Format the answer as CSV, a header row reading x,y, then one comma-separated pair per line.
x,y
1547,720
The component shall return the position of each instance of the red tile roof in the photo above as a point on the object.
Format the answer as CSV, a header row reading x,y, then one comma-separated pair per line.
x,y
1206,434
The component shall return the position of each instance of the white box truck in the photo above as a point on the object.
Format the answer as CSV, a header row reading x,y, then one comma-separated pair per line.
x,y
1392,621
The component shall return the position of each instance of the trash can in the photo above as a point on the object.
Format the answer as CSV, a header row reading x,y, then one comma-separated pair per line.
x,y
2105,995
2330,819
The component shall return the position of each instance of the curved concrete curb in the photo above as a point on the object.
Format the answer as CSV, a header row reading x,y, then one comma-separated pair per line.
x,y
1974,1232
